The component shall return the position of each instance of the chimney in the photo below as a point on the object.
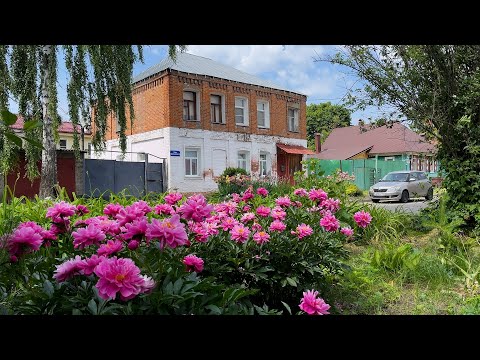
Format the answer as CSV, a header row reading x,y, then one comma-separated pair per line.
x,y
318,144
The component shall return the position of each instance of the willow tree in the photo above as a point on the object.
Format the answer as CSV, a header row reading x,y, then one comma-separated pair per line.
x,y
436,88
100,77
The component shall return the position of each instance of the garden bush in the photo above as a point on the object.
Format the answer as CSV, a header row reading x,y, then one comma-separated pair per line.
x,y
254,253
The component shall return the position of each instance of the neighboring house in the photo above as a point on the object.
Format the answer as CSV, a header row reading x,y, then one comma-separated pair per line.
x,y
202,116
395,143
65,134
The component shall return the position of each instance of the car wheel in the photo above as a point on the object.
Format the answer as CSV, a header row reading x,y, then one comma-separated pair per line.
x,y
375,200
429,194
405,196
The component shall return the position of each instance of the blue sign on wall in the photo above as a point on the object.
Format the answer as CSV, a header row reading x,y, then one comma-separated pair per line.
x,y
174,152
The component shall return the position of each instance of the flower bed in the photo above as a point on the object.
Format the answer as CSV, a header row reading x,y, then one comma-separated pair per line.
x,y
253,253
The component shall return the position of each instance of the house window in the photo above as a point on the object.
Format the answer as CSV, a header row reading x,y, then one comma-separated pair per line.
x,y
216,109
389,158
263,164
241,111
293,120
63,144
191,161
189,105
263,114
243,160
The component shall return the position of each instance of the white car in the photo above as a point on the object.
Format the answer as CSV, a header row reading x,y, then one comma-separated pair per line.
x,y
401,186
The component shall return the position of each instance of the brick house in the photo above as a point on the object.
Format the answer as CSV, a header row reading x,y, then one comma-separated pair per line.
x,y
203,116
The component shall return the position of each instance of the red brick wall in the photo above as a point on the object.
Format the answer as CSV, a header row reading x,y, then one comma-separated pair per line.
x,y
158,103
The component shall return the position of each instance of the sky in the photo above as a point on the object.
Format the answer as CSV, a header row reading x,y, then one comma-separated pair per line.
x,y
290,66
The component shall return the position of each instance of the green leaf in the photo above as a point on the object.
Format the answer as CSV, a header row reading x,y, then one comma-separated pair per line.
x,y
291,282
14,138
8,118
215,310
31,124
92,306
177,286
35,143
76,312
287,307
48,288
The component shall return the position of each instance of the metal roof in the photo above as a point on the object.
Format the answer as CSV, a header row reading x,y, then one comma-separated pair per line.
x,y
193,64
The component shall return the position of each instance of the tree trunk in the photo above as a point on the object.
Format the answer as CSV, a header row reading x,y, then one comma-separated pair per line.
x,y
49,154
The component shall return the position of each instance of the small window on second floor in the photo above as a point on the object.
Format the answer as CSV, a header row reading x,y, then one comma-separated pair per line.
x,y
216,109
189,105
293,120
241,111
263,114
63,144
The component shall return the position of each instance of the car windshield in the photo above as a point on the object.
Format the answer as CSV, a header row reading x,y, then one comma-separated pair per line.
x,y
396,177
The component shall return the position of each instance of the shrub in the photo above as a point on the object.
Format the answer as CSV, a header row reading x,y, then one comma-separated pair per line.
x,y
394,259
232,171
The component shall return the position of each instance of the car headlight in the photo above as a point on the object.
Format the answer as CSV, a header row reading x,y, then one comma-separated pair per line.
x,y
371,188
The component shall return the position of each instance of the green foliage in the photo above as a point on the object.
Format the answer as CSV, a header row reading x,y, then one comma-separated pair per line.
x,y
231,171
393,259
447,109
323,118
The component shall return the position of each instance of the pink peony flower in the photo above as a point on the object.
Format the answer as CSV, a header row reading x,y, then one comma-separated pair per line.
x,y
133,245
104,224
300,192
247,217
348,232
256,227
195,208
303,230
69,269
169,232
148,284
136,229
261,237
60,210
330,223
229,207
173,198
283,201
240,233
277,225
112,210
262,191
111,247
263,211
193,263
141,206
236,198
317,195
362,218
246,208
87,236
120,276
331,205
81,210
89,264
23,240
229,223
47,235
164,209
277,213
248,194
313,305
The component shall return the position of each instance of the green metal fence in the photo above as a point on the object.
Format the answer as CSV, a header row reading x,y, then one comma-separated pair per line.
x,y
366,171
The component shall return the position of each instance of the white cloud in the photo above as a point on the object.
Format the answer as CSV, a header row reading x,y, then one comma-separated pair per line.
x,y
291,66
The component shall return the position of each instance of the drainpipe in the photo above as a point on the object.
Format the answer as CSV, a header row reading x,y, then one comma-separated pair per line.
x,y
376,167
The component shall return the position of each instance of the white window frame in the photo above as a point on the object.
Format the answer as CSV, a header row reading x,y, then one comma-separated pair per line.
x,y
197,104
245,111
60,144
222,109
197,149
296,122
266,112
389,158
247,159
264,163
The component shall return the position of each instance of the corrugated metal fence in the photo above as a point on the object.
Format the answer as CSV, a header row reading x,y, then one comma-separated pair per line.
x,y
366,171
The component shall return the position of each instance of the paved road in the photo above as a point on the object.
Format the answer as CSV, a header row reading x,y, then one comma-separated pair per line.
x,y
413,206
